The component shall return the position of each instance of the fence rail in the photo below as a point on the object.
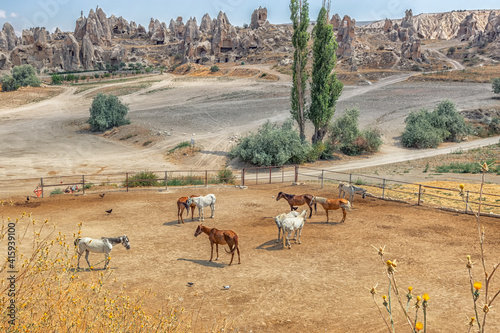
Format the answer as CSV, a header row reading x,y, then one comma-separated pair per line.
x,y
383,188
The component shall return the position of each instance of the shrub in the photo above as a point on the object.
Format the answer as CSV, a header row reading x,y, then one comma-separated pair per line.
x,y
56,79
419,133
57,191
494,126
496,85
8,83
214,68
451,50
426,129
143,178
70,77
225,176
272,145
106,112
180,145
25,75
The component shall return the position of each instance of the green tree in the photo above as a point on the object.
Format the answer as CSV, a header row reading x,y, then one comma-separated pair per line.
x,y
272,145
299,14
452,123
56,78
8,83
25,75
107,111
325,87
496,85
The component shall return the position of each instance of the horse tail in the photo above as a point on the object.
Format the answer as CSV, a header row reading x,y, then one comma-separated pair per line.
x,y
77,241
187,207
235,245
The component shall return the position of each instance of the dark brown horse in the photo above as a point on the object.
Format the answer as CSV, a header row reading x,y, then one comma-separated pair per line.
x,y
298,200
221,237
181,205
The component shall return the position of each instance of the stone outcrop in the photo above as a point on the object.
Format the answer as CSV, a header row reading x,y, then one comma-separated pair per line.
x,y
468,28
345,37
8,39
336,21
71,53
177,27
206,23
259,18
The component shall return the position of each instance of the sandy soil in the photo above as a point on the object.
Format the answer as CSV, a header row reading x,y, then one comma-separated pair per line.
x,y
321,285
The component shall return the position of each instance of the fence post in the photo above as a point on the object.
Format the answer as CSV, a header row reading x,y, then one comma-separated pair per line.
x,y
166,180
256,176
322,174
269,175
243,177
466,202
350,178
41,185
206,178
126,179
83,183
419,193
296,174
282,174
383,188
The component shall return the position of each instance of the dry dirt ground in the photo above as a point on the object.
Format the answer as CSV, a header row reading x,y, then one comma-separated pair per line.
x,y
321,285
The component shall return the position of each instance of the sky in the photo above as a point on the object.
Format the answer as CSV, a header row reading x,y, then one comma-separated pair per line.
x,y
50,14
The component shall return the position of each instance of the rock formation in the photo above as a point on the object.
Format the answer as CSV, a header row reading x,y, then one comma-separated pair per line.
x,y
259,18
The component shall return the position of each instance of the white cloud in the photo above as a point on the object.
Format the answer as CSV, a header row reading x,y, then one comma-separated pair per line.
x,y
3,14
13,15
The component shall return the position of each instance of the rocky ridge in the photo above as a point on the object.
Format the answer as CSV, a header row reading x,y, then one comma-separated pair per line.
x,y
98,41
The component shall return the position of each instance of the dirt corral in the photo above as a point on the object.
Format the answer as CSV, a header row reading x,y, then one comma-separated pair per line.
x,y
321,285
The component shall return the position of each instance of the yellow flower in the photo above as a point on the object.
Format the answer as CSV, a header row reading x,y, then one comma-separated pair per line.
x,y
472,320
477,285
410,288
419,298
384,297
419,326
425,297
389,263
462,186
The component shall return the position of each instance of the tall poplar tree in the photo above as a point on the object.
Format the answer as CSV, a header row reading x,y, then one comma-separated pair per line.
x,y
300,20
325,87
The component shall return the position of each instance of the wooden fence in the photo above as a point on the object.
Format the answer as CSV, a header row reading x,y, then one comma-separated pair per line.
x,y
383,188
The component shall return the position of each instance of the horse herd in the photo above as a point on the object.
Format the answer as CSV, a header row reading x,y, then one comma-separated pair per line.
x,y
287,223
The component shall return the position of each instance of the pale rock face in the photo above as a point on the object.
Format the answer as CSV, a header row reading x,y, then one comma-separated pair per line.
x,y
206,23
259,18
71,53
10,36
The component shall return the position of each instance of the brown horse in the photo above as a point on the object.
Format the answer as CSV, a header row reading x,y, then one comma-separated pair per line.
x,y
181,205
298,200
333,204
221,237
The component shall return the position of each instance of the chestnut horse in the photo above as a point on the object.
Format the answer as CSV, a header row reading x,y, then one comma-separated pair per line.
x,y
298,200
333,204
181,205
221,237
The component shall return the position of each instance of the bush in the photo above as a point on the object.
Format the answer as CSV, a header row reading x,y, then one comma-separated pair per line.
x,y
426,129
22,76
419,132
451,50
214,68
8,83
272,145
347,138
56,79
225,176
494,126
70,77
496,85
106,112
25,75
143,178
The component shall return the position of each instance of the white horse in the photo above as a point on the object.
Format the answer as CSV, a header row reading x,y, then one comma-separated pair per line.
x,y
103,245
202,202
350,190
291,224
279,222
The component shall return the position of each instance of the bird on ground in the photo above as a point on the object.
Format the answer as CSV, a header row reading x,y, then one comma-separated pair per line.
x,y
226,287
102,195
109,211
190,283
28,199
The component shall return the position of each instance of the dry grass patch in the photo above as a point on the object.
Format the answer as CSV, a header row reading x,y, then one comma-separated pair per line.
x,y
482,74
27,95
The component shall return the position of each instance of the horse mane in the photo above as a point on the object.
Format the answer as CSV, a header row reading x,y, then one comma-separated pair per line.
x,y
113,240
